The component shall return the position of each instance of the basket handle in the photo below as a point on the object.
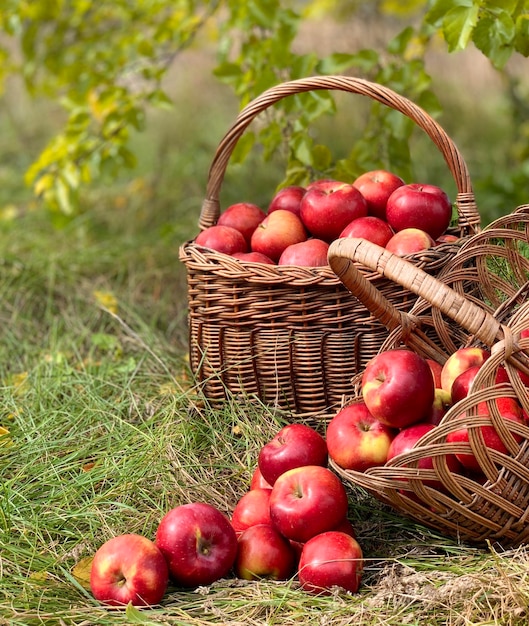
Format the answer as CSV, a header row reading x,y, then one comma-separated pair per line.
x,y
345,253
469,218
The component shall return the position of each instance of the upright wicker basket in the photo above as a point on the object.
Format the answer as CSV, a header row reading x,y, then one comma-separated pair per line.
x,y
291,336
479,298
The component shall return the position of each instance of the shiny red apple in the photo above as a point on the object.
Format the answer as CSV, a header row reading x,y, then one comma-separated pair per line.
x,y
398,387
244,217
309,253
293,445
251,509
377,186
306,501
287,199
356,440
223,239
276,232
129,568
409,241
370,228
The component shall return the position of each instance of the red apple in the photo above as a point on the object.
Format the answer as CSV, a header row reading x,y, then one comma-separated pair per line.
x,y
377,186
293,445
398,387
371,228
251,509
446,238
244,217
263,552
331,559
129,568
198,542
222,239
276,232
409,241
407,439
441,403
356,440
490,435
462,383
459,361
436,368
309,253
419,206
327,208
346,526
306,501
257,481
287,199
253,257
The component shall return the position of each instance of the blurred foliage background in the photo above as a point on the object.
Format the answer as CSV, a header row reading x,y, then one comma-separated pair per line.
x,y
113,110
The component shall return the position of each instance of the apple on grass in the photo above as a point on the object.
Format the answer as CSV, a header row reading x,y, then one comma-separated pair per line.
x,y
129,569
251,509
419,206
257,481
488,434
244,217
407,439
223,239
306,501
370,228
377,186
328,207
263,552
409,241
356,440
309,253
459,361
292,446
398,387
288,199
331,559
198,542
276,232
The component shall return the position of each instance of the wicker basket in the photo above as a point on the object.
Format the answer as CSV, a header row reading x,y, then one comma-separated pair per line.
x,y
480,297
293,337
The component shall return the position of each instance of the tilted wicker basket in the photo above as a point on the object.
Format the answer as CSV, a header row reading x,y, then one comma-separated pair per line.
x,y
291,336
480,298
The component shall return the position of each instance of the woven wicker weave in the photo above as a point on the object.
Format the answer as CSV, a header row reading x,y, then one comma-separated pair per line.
x,y
479,297
293,336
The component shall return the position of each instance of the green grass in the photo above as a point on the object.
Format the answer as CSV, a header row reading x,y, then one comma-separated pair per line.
x,y
106,434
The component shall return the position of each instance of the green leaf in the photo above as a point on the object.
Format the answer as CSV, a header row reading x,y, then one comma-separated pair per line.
x,y
321,158
458,25
494,37
243,147
399,43
521,38
438,10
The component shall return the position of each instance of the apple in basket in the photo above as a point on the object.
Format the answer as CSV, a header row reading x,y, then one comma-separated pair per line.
x,y
409,241
276,232
398,387
253,257
486,435
331,559
459,361
407,439
356,440
306,501
371,228
377,186
263,552
244,217
252,508
309,253
419,206
222,239
292,446
441,403
198,542
328,206
129,568
288,199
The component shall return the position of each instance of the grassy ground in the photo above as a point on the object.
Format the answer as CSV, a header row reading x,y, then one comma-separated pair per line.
x,y
105,434
103,431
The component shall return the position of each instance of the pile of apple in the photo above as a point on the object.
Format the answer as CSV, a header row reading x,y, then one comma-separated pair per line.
x,y
403,397
301,222
291,523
